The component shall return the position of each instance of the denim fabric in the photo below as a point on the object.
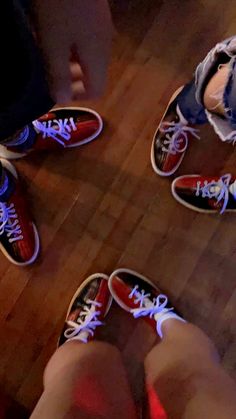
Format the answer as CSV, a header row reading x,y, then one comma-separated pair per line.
x,y
229,97
190,99
192,111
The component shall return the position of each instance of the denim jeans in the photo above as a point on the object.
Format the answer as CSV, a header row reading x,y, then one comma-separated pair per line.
x,y
193,111
190,99
24,90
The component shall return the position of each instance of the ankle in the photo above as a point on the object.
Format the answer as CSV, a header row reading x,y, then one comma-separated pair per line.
x,y
173,326
166,318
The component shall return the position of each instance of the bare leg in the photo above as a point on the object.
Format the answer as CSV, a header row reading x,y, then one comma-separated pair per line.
x,y
183,371
214,91
85,381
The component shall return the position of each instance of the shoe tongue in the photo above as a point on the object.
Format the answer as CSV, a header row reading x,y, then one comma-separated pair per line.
x,y
83,336
217,188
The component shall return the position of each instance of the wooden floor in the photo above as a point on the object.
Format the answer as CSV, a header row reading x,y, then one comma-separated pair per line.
x,y
102,206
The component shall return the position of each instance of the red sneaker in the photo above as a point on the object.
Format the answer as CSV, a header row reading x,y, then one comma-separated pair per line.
x,y
206,194
137,295
170,140
88,308
59,129
19,240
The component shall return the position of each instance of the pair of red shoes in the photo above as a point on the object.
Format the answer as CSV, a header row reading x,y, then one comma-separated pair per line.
x,y
200,193
61,128
131,291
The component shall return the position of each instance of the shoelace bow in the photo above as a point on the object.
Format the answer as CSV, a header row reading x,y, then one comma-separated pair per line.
x,y
87,322
12,228
175,132
56,129
216,189
146,306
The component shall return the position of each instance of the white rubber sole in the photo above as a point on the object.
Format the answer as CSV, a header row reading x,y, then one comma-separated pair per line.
x,y
129,271
12,155
7,165
153,160
189,206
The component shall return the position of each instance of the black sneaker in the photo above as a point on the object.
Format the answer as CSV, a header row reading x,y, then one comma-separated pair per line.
x,y
59,129
19,239
88,308
171,138
206,194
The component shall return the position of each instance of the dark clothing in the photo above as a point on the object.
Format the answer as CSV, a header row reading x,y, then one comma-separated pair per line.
x,y
24,91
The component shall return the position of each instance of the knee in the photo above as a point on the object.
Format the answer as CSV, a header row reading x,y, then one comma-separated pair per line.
x,y
72,355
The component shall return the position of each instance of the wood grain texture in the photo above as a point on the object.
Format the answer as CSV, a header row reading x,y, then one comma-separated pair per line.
x,y
102,207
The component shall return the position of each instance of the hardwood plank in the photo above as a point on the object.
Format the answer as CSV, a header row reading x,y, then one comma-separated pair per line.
x,y
102,206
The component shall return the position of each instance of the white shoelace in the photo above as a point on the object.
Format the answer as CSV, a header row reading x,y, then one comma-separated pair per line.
x,y
174,133
56,129
148,307
9,222
155,308
216,189
87,322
